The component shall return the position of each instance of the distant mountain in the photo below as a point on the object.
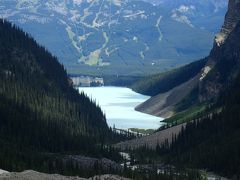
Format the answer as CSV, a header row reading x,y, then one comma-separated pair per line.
x,y
207,78
217,4
204,14
202,100
117,37
223,64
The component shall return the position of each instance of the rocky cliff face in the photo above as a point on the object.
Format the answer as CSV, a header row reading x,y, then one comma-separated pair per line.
x,y
232,16
223,61
223,64
231,19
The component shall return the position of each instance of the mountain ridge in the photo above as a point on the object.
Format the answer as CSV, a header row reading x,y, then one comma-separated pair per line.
x,y
210,80
222,46
101,35
205,133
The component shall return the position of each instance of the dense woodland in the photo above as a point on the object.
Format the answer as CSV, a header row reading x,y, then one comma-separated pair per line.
x,y
211,139
213,142
163,82
40,113
43,119
210,142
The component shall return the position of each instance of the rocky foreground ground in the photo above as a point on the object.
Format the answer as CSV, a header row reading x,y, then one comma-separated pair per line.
x,y
33,175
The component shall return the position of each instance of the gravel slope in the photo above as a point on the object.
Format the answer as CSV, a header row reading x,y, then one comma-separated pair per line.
x,y
33,175
162,105
152,140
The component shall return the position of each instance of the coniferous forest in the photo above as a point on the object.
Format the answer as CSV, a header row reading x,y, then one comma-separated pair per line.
x,y
44,122
48,126
41,115
213,141
163,82
210,139
210,142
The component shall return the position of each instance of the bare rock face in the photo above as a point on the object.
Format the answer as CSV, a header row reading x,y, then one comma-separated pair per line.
x,y
33,175
3,171
231,19
91,163
223,62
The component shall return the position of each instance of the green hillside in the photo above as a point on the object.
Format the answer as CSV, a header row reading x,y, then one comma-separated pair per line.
x,y
41,115
163,82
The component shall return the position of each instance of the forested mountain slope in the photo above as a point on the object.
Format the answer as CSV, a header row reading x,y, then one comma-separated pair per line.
x,y
207,80
211,141
40,113
210,138
163,82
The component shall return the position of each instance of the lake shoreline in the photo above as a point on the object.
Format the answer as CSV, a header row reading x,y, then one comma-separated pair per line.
x,y
118,103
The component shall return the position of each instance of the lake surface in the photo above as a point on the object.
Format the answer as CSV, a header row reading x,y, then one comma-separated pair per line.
x,y
118,104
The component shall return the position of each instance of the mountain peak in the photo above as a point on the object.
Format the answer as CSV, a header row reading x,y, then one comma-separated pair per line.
x,y
223,59
119,36
231,19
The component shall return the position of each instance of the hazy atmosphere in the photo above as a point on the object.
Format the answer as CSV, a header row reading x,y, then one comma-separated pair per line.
x,y
120,89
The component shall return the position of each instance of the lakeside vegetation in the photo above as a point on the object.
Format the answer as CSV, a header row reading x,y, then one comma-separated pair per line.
x,y
142,131
186,116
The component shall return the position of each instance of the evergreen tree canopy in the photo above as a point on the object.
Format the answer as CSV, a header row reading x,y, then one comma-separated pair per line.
x,y
40,112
